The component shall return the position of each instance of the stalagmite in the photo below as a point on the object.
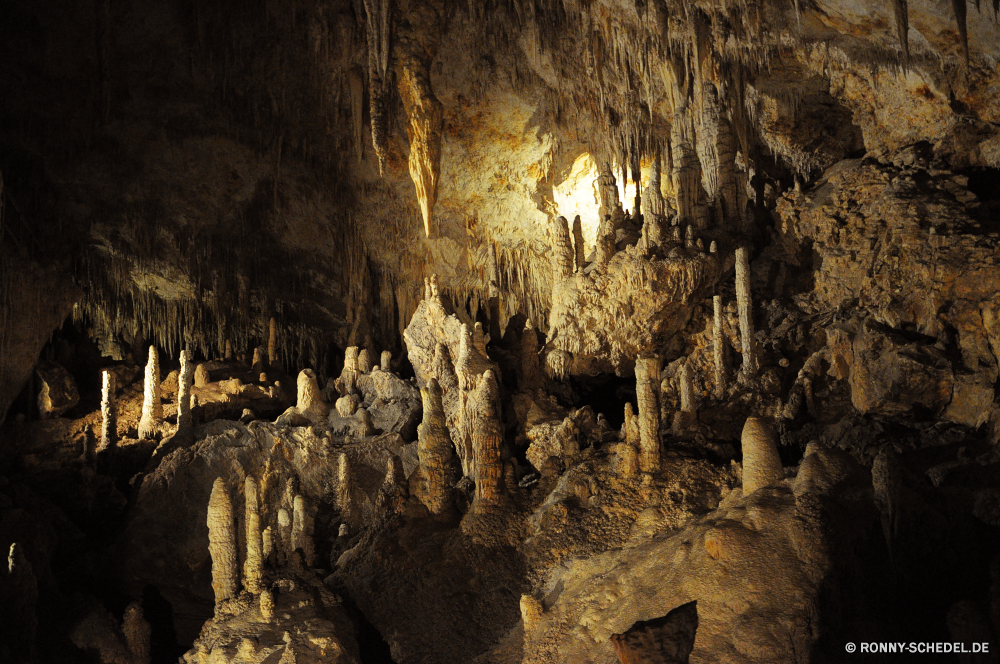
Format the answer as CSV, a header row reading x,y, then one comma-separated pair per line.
x,y
266,604
530,365
284,547
605,241
744,303
487,437
109,414
346,406
718,346
647,383
272,343
385,361
562,250
201,378
302,529
228,355
434,449
607,189
689,236
654,207
346,383
479,338
463,365
222,543
310,400
253,566
344,487
627,460
444,370
761,463
184,419
138,634
687,391
364,361
578,243
425,123
631,426
152,409
258,366
267,544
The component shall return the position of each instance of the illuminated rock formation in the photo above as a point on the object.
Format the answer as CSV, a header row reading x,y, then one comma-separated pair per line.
x,y
302,529
761,463
434,449
109,418
310,400
647,388
185,420
152,409
222,544
254,564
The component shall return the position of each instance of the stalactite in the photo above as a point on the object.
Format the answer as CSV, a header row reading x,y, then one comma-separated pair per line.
x,y
647,384
718,346
761,463
716,147
184,419
302,530
687,170
960,9
254,564
902,26
379,32
222,543
425,125
109,413
152,409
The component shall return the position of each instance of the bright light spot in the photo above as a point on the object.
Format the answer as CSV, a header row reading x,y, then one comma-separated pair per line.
x,y
577,195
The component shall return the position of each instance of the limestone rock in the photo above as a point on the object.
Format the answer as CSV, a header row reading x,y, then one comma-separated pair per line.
x,y
58,391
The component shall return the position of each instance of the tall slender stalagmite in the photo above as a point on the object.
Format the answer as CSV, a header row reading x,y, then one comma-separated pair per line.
x,y
718,346
344,487
254,564
434,449
152,410
272,343
302,529
562,250
607,189
647,385
761,463
184,419
284,535
605,241
578,247
345,384
654,207
222,543
744,303
487,437
109,413
687,391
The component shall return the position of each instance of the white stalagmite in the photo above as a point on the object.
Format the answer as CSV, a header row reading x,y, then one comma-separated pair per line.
x,y
761,463
344,487
222,543
718,346
744,303
109,414
647,383
254,564
184,420
152,409
302,529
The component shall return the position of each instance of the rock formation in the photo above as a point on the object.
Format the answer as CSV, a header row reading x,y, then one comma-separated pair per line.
x,y
434,449
761,464
254,564
109,418
184,418
647,387
222,544
152,409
